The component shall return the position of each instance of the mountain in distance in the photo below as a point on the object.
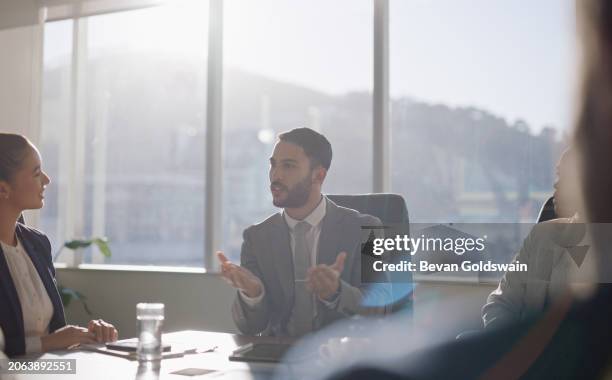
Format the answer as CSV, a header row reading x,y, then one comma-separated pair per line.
x,y
450,164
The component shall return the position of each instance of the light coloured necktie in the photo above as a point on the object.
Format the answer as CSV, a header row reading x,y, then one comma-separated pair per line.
x,y
302,316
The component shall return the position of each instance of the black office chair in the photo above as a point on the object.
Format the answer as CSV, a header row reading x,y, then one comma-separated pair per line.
x,y
389,208
547,212
392,211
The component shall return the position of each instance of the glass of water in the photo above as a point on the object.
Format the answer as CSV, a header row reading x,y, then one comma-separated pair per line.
x,y
150,317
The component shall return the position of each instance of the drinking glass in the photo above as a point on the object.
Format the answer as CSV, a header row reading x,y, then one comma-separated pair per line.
x,y
150,317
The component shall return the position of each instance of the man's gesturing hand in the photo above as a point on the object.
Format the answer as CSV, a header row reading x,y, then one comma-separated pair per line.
x,y
239,277
324,280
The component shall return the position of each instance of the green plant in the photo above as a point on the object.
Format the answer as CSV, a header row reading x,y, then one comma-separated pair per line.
x,y
68,294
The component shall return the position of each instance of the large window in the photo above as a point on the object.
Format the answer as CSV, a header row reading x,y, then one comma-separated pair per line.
x,y
479,106
140,115
481,98
54,119
293,64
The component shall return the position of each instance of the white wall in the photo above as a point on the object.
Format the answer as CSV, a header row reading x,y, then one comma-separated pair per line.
x,y
17,70
203,301
193,301
17,13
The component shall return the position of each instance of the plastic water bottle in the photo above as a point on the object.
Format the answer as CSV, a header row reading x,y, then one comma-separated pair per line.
x,y
150,317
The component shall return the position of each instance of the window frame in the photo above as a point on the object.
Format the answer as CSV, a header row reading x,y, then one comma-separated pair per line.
x,y
71,214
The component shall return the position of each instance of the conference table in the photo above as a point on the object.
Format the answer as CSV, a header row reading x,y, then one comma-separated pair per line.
x,y
213,364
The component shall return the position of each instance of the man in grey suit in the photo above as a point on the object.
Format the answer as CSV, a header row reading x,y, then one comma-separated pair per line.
x,y
300,269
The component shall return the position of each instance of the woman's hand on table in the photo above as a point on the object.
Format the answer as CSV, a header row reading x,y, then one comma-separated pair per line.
x,y
103,331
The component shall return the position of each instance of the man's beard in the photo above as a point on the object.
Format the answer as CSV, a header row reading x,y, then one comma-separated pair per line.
x,y
297,196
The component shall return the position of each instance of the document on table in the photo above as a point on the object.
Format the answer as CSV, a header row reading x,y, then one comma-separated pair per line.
x,y
178,350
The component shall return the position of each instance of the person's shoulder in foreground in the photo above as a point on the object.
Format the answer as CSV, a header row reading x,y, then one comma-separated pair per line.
x,y
571,340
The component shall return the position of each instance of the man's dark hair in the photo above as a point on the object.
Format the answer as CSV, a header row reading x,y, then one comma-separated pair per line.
x,y
315,145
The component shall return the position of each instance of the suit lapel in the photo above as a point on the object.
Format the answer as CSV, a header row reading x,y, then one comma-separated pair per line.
x,y
10,291
548,262
41,269
561,266
329,239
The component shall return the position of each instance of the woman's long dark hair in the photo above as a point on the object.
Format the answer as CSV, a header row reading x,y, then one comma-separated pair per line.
x,y
13,150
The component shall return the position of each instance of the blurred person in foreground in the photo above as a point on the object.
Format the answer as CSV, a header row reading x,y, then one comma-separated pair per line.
x,y
572,339
31,311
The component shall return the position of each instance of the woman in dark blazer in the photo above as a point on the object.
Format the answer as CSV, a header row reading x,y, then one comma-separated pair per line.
x,y
31,312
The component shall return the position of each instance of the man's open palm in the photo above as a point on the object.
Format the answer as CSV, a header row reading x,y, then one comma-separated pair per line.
x,y
324,280
239,277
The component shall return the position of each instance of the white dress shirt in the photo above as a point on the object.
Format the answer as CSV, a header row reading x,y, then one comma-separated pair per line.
x,y
312,239
36,306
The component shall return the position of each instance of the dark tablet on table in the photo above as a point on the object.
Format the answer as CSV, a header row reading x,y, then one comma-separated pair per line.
x,y
260,352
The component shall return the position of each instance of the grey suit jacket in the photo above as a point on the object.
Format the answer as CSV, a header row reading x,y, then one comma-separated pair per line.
x,y
266,252
524,294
